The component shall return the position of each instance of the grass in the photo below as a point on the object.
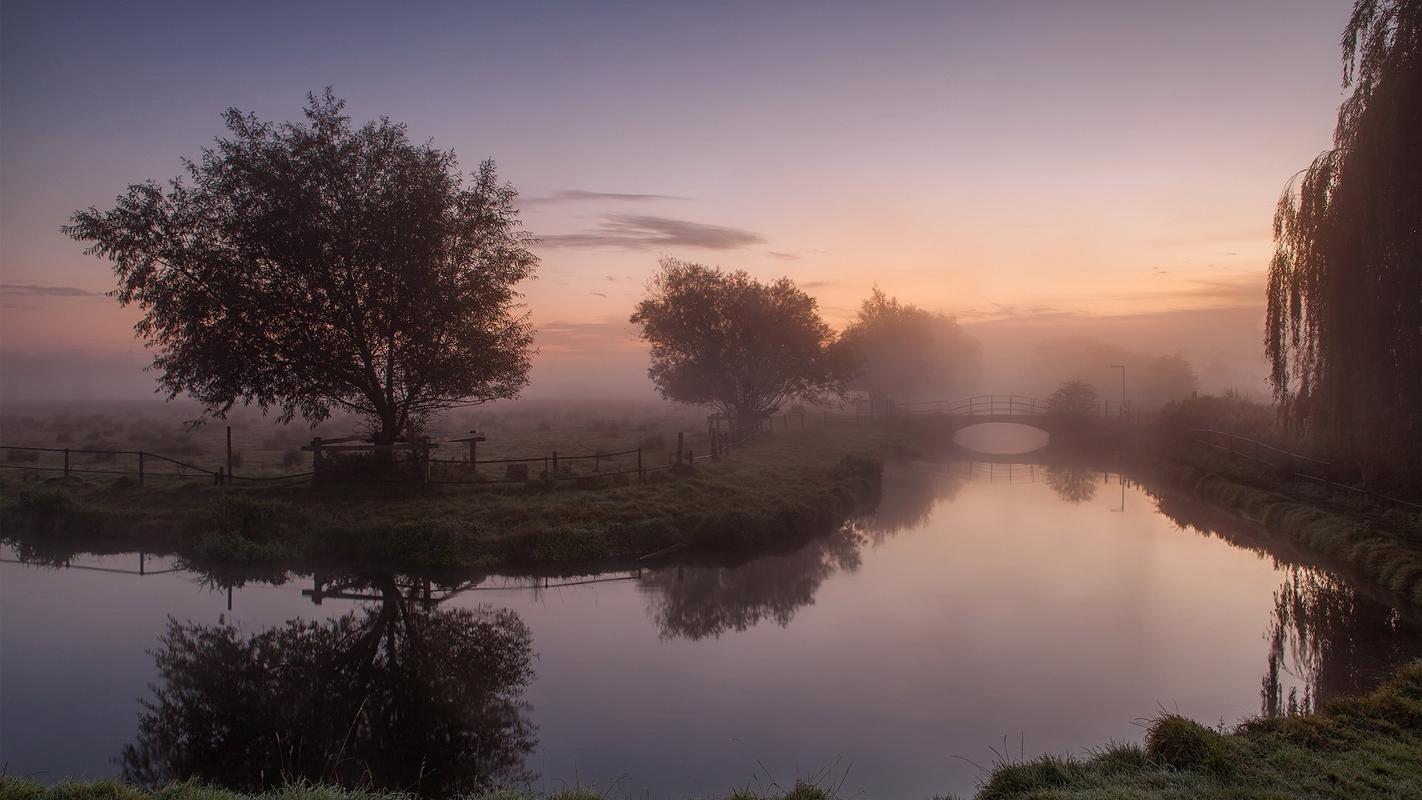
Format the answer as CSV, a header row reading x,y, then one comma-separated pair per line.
x,y
781,486
15,789
1356,747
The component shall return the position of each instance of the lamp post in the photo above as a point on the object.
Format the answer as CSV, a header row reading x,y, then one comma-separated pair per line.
x,y
1122,368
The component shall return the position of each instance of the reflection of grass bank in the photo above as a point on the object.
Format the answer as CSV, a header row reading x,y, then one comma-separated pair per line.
x,y
1383,548
1357,747
779,486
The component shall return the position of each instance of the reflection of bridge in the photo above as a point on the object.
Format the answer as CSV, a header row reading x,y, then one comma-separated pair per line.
x,y
981,409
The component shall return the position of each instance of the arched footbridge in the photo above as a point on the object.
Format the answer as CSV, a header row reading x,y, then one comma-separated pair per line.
x,y
980,409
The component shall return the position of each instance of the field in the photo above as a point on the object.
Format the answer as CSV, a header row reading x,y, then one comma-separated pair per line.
x,y
776,486
264,447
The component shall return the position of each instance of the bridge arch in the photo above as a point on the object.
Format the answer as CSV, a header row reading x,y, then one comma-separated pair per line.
x,y
982,409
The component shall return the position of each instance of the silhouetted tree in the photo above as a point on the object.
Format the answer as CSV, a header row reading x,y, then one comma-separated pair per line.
x,y
398,696
900,350
312,267
728,340
1344,322
1074,400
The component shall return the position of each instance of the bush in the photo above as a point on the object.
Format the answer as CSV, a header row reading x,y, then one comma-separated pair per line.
x,y
1231,412
1075,400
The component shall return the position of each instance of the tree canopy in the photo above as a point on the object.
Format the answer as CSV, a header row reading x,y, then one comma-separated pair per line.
x,y
1074,400
731,341
900,350
311,267
1344,319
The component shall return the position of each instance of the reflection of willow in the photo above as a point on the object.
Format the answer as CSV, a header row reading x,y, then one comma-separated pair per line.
x,y
1337,641
401,695
908,498
1072,484
697,602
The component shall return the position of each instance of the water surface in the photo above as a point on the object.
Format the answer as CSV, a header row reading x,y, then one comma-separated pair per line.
x,y
1015,608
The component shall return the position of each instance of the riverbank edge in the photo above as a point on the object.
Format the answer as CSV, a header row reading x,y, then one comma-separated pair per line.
x,y
1364,746
714,509
1381,555
20,789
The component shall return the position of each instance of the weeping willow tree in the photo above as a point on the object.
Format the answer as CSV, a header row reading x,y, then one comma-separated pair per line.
x,y
1344,326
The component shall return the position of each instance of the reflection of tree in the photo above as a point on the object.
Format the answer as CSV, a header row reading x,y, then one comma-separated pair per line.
x,y
396,696
1333,638
1072,484
907,499
697,602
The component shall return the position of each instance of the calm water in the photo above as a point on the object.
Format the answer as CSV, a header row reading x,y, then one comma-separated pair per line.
x,y
985,606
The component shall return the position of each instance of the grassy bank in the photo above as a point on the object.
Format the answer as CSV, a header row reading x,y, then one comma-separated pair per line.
x,y
778,486
12,789
1355,747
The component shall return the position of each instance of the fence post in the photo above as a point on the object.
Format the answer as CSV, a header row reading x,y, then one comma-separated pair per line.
x,y
680,441
639,465
66,462
546,474
229,452
555,462
140,467
473,451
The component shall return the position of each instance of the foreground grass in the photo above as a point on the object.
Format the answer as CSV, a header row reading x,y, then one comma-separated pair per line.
x,y
13,789
1356,747
777,487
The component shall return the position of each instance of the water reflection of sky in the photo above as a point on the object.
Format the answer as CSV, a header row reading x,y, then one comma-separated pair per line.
x,y
1051,612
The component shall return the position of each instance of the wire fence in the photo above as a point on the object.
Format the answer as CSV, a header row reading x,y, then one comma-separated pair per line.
x,y
350,459
1285,462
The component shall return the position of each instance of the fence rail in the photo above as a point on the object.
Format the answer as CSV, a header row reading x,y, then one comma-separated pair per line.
x,y
1288,462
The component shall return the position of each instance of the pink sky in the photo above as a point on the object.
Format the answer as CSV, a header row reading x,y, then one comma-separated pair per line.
x,y
1018,161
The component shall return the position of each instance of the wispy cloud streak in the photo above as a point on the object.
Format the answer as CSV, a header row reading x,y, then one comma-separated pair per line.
x,y
640,232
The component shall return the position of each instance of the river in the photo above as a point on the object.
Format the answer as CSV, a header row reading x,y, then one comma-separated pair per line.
x,y
984,611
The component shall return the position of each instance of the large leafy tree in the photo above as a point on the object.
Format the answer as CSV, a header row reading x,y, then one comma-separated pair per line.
x,y
1344,324
901,350
730,341
312,267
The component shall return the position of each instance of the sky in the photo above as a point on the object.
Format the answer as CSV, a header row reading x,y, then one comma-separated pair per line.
x,y
1042,166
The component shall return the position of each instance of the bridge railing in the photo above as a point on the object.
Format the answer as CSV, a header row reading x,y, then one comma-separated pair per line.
x,y
1007,405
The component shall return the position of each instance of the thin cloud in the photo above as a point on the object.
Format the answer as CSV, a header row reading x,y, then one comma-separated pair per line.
x,y
598,294
816,284
641,232
786,256
581,195
36,290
